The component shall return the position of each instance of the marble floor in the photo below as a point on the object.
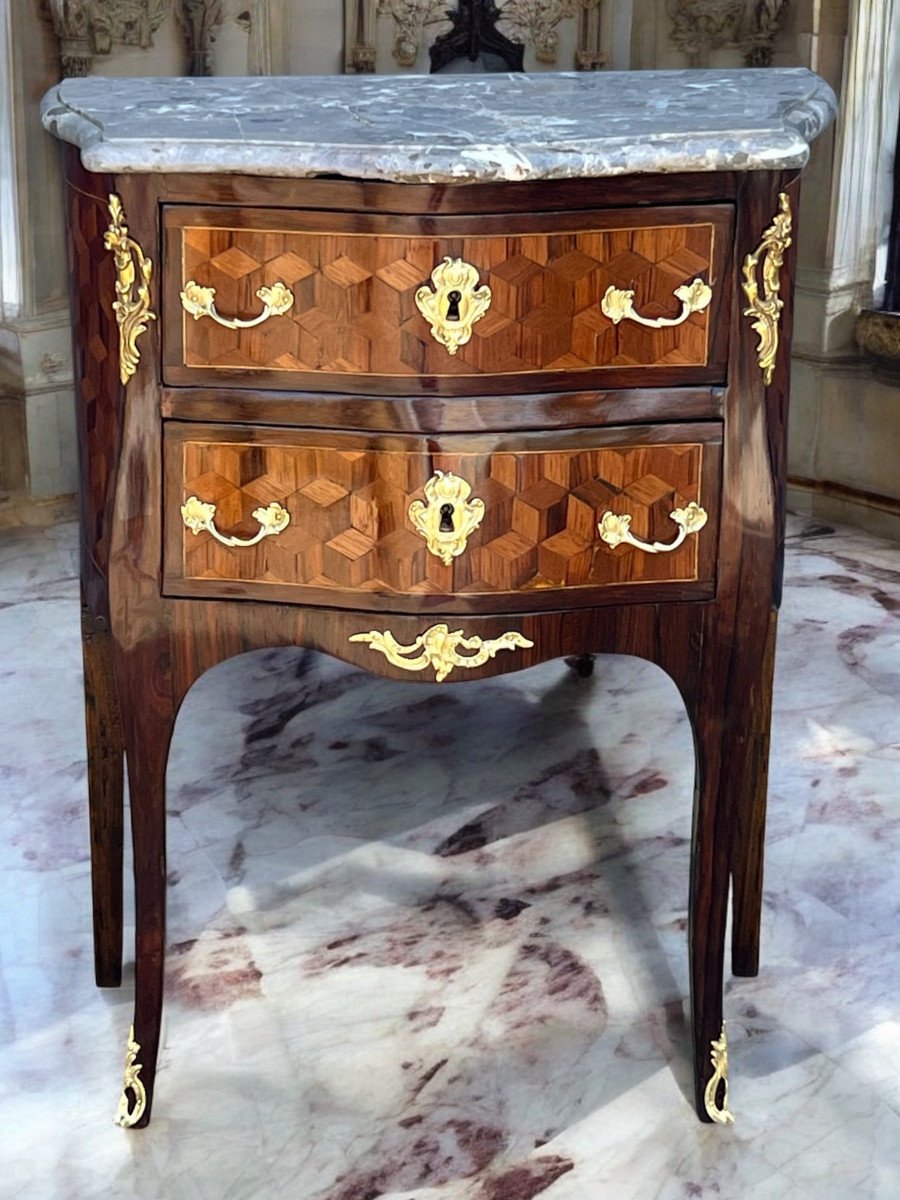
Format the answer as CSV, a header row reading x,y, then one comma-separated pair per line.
x,y
428,942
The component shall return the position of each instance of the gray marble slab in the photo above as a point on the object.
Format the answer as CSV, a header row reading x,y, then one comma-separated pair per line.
x,y
446,129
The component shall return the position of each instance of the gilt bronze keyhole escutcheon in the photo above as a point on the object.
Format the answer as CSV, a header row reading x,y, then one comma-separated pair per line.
x,y
446,516
456,302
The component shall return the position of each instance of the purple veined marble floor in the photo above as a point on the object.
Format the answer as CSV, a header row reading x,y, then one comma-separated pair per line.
x,y
427,942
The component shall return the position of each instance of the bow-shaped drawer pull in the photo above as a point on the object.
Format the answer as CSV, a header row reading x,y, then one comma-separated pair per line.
x,y
199,515
199,301
618,305
615,529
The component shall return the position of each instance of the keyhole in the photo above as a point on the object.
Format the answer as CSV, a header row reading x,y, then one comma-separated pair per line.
x,y
453,299
446,525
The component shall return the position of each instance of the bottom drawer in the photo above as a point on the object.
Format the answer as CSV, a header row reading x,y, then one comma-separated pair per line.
x,y
458,523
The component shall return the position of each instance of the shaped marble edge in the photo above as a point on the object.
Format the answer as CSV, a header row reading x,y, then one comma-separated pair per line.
x,y
452,129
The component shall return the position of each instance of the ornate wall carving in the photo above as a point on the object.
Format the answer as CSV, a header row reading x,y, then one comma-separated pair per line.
x,y
699,26
541,26
536,23
410,18
759,41
198,20
86,28
359,36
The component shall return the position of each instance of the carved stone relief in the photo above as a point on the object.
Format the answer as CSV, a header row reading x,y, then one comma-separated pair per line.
x,y
86,28
198,20
359,36
411,18
699,26
536,24
759,41
590,56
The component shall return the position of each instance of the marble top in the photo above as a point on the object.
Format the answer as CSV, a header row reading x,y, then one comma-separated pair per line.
x,y
446,129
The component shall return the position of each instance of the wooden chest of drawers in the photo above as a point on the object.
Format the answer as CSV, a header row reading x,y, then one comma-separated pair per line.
x,y
441,430
363,515
353,282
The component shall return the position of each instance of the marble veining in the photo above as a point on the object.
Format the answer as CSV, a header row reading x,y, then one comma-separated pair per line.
x,y
428,942
432,129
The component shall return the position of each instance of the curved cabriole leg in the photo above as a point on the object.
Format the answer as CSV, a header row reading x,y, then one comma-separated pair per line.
x,y
148,716
692,645
707,909
105,776
747,753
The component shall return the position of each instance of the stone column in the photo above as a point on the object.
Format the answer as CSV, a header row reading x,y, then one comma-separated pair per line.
x,y
37,428
845,420
847,192
39,40
252,39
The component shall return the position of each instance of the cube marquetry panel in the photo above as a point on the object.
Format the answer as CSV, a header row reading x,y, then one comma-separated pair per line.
x,y
350,530
354,310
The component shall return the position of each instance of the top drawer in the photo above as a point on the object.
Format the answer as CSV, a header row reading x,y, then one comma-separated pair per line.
x,y
358,302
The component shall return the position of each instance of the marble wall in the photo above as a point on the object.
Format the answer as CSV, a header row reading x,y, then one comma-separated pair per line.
x,y
844,199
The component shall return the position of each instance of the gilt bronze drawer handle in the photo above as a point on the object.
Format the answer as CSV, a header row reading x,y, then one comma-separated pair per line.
x,y
446,516
128,1114
618,305
132,307
614,529
438,648
198,515
456,303
200,301
766,309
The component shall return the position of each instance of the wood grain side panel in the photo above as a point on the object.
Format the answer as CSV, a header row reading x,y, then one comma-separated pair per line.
x,y
354,279
350,535
96,368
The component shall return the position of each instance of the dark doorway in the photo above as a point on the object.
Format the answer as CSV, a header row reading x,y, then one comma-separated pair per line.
x,y
474,37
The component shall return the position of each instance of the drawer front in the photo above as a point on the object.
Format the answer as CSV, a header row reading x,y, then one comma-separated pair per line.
x,y
375,303
459,523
